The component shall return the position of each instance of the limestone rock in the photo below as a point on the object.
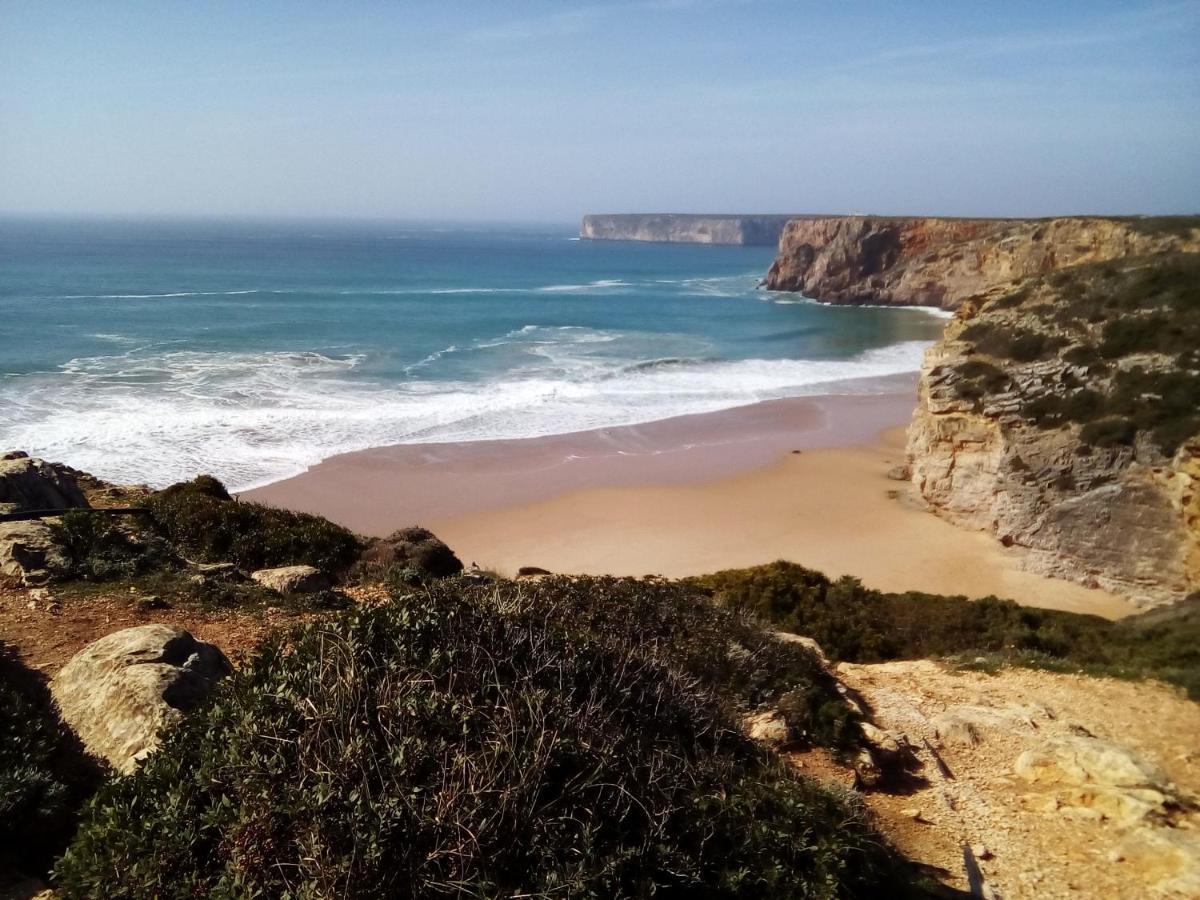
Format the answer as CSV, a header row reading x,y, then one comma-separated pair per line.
x,y
941,262
1124,517
1097,779
289,580
33,484
415,548
119,693
769,727
1084,760
30,554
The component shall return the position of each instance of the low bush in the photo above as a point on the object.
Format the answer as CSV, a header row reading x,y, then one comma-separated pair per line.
x,y
43,775
103,548
489,741
858,624
202,522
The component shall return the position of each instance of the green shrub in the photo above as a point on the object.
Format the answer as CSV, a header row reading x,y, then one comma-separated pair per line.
x,y
1111,432
203,523
44,776
103,548
476,742
858,624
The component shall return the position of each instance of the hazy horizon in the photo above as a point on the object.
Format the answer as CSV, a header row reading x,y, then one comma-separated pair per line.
x,y
542,112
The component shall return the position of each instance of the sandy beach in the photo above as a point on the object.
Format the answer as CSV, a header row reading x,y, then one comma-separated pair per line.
x,y
687,496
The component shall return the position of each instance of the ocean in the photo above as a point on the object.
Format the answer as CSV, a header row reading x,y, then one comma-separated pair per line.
x,y
154,351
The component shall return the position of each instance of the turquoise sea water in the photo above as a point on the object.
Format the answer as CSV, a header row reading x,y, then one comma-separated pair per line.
x,y
151,351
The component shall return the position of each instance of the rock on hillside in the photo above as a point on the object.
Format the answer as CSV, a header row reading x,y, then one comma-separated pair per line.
x,y
1063,416
29,553
120,692
941,262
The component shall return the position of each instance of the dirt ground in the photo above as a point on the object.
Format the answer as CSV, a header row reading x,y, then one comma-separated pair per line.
x,y
1030,840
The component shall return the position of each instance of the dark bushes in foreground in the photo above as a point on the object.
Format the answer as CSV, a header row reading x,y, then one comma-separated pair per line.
x,y
43,774
557,740
857,624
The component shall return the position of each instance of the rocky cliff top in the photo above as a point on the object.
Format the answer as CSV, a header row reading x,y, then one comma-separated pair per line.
x,y
941,262
685,228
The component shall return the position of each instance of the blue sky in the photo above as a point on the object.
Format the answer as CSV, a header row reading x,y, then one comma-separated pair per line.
x,y
544,111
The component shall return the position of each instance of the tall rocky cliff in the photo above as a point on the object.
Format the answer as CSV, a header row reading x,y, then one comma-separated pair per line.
x,y
942,262
680,228
1062,415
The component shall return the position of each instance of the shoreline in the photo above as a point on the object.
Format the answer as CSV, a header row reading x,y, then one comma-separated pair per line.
x,y
426,481
688,496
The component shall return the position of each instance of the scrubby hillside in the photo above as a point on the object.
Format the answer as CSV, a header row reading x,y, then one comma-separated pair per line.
x,y
577,738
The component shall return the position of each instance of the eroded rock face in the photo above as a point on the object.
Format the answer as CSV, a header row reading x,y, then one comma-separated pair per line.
x,y
33,484
998,441
29,552
942,262
121,692
30,555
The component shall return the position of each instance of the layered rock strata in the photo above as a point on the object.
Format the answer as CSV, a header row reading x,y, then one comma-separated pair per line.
x,y
941,262
1063,417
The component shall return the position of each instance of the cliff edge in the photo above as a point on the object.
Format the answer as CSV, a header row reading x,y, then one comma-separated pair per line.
x,y
941,262
681,228
1063,416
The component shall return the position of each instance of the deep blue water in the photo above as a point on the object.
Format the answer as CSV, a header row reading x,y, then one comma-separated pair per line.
x,y
150,351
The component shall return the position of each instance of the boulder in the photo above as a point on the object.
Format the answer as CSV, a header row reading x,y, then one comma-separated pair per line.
x,y
770,728
119,693
289,580
30,554
806,642
533,572
408,548
33,484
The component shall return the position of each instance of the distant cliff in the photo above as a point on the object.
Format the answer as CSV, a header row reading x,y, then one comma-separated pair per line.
x,y
685,229
1062,415
941,262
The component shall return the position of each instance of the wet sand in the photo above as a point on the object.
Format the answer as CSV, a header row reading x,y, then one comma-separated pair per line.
x,y
687,496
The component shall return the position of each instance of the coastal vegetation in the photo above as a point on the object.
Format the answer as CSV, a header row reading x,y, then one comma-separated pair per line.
x,y
1133,327
44,777
577,737
858,624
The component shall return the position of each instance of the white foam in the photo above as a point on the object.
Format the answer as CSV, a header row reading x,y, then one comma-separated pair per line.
x,y
251,418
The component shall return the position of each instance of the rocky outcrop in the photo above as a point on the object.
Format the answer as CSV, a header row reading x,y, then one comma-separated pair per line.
x,y
412,548
30,554
119,693
941,262
685,229
1063,416
33,484
292,580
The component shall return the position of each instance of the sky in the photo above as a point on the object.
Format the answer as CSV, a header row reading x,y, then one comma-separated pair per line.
x,y
544,111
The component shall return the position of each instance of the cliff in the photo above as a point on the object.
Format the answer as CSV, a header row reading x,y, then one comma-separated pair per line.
x,y
1063,416
941,262
680,228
